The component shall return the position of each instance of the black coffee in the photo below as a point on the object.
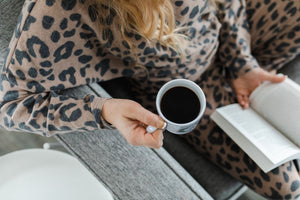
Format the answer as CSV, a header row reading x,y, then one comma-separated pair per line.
x,y
180,105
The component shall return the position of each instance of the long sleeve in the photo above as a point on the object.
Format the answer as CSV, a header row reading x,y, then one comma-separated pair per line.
x,y
235,41
55,46
48,113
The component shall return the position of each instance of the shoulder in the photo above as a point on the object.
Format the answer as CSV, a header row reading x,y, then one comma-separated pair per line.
x,y
55,38
44,26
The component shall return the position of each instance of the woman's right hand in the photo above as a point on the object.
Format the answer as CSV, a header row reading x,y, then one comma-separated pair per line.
x,y
131,119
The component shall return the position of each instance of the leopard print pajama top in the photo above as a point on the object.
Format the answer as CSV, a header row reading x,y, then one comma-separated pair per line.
x,y
58,45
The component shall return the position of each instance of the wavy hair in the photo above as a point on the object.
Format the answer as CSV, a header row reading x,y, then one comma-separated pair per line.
x,y
154,20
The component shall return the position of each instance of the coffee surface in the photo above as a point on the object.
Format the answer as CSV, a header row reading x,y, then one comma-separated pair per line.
x,y
180,105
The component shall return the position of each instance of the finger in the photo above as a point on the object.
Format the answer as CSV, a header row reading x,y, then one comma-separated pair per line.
x,y
154,140
139,137
273,71
240,100
275,78
246,102
145,116
243,100
136,136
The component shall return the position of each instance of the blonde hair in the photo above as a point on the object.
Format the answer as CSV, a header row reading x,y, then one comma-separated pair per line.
x,y
154,20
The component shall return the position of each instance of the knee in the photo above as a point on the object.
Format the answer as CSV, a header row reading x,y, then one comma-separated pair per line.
x,y
281,183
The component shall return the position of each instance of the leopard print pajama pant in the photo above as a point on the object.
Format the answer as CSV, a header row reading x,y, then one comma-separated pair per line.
x,y
275,40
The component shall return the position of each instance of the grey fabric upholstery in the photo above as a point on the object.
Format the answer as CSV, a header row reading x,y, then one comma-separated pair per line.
x,y
216,182
10,10
292,69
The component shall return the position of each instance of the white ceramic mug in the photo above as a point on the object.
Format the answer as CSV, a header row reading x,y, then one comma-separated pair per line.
x,y
173,127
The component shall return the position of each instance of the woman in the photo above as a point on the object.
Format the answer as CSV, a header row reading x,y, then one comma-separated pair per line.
x,y
67,43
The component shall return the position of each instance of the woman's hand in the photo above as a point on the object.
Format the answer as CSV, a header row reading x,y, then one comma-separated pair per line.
x,y
245,84
131,119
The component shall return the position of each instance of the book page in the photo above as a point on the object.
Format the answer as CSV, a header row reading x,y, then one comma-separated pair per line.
x,y
279,103
269,141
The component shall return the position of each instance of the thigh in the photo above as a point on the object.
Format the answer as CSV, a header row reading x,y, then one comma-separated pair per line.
x,y
275,31
209,140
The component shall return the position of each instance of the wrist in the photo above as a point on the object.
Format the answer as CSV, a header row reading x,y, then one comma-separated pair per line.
x,y
241,66
106,124
105,114
106,111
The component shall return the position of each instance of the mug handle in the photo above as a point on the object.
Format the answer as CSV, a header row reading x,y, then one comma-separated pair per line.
x,y
151,129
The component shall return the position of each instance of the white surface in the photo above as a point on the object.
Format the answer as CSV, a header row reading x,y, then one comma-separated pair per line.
x,y
38,174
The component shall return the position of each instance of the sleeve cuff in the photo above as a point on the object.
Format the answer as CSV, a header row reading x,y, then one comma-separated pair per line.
x,y
96,109
106,124
241,65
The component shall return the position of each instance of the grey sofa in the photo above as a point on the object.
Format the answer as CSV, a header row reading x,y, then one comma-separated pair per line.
x,y
217,183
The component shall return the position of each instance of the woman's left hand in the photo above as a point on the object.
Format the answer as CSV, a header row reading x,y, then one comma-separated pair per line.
x,y
245,84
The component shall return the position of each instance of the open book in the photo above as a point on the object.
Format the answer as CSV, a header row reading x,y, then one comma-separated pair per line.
x,y
269,130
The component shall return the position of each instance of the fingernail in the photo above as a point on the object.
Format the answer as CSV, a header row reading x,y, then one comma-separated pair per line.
x,y
165,126
161,123
281,75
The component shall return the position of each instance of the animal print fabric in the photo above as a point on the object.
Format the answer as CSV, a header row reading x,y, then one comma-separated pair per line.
x,y
274,37
57,45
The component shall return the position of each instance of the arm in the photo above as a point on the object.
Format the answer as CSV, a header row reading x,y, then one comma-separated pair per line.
x,y
42,62
48,113
235,39
235,51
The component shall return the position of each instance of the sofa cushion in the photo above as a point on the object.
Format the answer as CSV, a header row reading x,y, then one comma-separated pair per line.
x,y
292,69
10,10
215,181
